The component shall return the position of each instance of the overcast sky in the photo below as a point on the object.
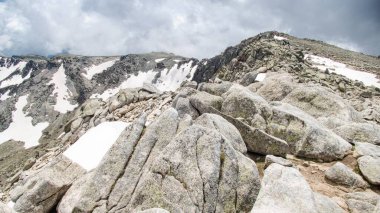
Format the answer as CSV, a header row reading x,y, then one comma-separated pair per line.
x,y
193,28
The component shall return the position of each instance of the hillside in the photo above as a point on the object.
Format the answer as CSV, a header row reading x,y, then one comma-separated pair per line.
x,y
273,124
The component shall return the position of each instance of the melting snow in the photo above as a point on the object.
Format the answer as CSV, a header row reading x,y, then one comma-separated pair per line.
x,y
95,69
21,128
63,105
14,80
6,71
261,77
158,60
169,80
280,38
90,148
5,96
321,63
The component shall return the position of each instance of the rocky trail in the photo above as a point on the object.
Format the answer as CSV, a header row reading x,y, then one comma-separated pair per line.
x,y
273,124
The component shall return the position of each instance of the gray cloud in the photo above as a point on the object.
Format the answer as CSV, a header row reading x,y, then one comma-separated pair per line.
x,y
197,28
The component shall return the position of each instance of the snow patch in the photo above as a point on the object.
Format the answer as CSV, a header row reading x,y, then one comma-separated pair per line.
x,y
61,91
169,80
280,38
177,60
15,80
158,60
11,204
90,148
6,71
322,63
260,77
95,69
5,96
21,128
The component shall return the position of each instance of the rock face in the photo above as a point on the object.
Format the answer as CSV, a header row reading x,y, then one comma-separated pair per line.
x,y
341,174
284,190
42,191
204,162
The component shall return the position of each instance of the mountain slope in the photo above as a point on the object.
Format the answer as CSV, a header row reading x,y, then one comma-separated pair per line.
x,y
276,123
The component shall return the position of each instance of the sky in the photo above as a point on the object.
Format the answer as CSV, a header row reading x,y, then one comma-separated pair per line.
x,y
192,28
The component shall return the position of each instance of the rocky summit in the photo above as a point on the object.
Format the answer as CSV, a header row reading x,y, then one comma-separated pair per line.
x,y
273,124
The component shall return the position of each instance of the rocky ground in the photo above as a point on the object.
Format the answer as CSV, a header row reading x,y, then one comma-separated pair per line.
x,y
260,128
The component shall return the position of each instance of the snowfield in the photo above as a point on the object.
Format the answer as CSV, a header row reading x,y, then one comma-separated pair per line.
x,y
21,128
169,80
158,60
5,96
15,80
322,63
61,91
6,71
90,148
95,69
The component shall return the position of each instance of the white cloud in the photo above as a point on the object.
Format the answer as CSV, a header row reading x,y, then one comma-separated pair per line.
x,y
194,28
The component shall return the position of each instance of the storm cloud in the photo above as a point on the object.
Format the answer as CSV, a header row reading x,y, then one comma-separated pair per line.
x,y
193,28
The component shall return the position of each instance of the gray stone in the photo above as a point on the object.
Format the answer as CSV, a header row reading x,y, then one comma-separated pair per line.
x,y
239,102
225,128
91,106
204,98
214,88
263,143
154,210
370,168
366,196
42,191
319,101
269,159
277,87
183,107
362,149
357,206
325,204
284,189
304,135
341,174
248,78
360,132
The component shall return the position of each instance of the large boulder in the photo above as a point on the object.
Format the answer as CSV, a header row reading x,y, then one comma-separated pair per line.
x,y
215,88
360,132
362,202
370,168
239,102
341,174
277,87
284,189
225,128
42,191
321,102
305,136
203,162
325,204
362,149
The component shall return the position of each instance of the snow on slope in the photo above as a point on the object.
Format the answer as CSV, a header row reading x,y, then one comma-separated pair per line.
x,y
95,69
15,79
6,71
21,128
169,80
5,96
158,60
321,63
61,91
280,38
90,148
